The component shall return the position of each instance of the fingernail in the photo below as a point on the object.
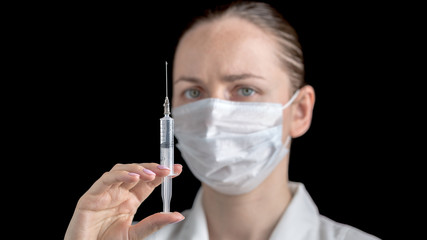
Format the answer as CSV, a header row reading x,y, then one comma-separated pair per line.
x,y
161,167
178,220
133,174
149,172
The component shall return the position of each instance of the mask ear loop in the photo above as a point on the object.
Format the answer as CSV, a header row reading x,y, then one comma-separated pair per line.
x,y
291,100
288,139
287,142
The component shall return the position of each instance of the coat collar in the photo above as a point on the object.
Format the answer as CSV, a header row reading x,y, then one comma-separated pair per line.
x,y
298,222
300,218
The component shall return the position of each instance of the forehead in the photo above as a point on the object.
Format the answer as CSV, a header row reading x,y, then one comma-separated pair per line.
x,y
233,30
226,44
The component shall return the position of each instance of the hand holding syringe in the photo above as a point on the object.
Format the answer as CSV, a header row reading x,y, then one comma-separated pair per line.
x,y
167,149
132,184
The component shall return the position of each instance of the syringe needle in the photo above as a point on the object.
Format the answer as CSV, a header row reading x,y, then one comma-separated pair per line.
x,y
166,78
166,104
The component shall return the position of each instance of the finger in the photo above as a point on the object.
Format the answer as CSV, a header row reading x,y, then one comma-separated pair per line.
x,y
159,170
108,179
177,170
162,172
146,174
143,189
153,223
130,185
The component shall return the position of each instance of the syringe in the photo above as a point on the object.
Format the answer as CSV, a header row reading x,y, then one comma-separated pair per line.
x,y
167,149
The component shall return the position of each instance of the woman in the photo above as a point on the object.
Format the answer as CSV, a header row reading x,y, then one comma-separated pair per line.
x,y
239,98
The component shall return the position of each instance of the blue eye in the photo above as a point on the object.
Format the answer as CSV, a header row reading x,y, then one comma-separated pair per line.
x,y
192,93
246,91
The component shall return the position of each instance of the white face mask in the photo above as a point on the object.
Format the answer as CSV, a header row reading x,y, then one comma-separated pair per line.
x,y
231,146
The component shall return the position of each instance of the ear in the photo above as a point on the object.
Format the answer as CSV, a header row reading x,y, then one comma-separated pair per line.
x,y
302,111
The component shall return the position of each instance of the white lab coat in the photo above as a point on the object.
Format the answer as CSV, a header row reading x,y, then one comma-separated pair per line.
x,y
301,220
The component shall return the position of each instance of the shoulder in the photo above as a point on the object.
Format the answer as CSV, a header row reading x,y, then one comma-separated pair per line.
x,y
330,229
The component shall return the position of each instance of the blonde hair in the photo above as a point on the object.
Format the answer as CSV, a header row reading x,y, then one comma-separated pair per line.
x,y
271,21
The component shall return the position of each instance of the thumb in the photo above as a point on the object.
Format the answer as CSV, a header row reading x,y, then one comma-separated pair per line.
x,y
153,223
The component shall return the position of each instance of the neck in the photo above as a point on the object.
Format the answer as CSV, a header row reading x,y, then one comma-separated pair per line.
x,y
253,215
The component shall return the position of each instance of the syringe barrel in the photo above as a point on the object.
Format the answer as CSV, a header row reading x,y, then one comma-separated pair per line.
x,y
167,142
166,158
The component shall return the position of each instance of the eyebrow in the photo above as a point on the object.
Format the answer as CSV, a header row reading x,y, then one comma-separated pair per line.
x,y
188,79
225,78
237,77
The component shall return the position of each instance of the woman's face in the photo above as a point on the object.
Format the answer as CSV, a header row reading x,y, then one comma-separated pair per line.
x,y
230,59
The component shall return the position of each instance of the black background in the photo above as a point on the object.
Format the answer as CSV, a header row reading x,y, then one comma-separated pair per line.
x,y
90,88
